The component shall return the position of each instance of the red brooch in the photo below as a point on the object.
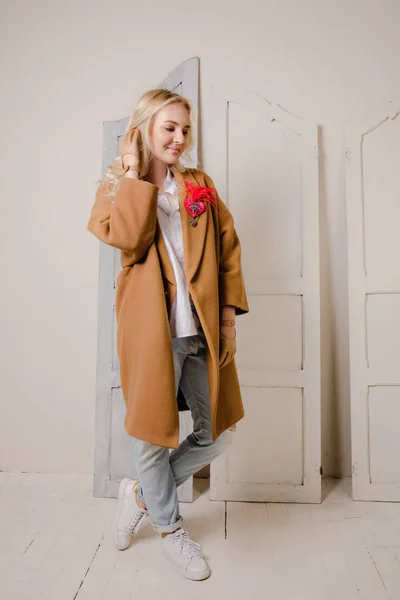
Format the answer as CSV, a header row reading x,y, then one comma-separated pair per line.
x,y
197,198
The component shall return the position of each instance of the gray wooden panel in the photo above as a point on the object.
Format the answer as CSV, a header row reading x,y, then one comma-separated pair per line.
x,y
113,446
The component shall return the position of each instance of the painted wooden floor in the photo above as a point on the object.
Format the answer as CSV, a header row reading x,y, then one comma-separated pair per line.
x,y
55,543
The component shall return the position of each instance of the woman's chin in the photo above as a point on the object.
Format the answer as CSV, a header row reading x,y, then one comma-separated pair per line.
x,y
172,161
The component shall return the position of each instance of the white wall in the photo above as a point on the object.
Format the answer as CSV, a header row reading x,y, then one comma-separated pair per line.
x,y
67,67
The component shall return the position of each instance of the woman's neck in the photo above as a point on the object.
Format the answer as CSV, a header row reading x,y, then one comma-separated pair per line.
x,y
157,173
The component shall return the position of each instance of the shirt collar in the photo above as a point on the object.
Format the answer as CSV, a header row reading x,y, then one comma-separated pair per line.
x,y
171,187
170,182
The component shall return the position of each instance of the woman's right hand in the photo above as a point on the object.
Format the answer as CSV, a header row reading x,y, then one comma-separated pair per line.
x,y
130,148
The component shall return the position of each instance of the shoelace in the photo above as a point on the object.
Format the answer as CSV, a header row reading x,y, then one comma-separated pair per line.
x,y
189,548
139,515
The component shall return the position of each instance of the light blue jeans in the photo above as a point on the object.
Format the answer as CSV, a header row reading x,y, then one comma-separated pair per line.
x,y
161,472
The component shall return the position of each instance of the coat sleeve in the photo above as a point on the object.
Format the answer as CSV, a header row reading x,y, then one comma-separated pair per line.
x,y
128,219
232,291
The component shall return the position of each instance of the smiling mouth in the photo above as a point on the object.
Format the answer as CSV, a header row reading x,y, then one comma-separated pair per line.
x,y
174,150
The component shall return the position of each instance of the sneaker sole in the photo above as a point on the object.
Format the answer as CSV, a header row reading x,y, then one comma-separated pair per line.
x,y
185,572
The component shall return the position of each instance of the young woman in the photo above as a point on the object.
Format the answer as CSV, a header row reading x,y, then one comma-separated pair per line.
x,y
179,290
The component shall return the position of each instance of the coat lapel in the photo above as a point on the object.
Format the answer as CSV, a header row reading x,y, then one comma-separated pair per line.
x,y
193,237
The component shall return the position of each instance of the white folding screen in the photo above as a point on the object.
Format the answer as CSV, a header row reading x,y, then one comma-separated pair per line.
x,y
373,218
265,165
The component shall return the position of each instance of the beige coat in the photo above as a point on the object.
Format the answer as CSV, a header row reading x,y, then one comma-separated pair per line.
x,y
146,290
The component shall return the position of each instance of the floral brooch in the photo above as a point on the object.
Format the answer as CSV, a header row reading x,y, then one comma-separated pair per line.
x,y
198,196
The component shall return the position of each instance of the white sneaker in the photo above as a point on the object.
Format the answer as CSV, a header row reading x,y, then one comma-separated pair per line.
x,y
129,517
185,555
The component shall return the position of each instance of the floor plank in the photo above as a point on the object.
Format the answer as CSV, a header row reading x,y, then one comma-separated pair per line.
x,y
56,543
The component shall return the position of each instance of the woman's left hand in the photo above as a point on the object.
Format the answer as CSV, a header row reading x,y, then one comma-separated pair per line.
x,y
227,347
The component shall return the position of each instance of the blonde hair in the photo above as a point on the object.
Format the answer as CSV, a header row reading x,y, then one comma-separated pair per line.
x,y
149,104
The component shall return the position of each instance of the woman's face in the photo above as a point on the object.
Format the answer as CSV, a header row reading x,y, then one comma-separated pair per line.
x,y
169,133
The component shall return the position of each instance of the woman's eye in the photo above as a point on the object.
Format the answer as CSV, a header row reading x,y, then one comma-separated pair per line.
x,y
171,129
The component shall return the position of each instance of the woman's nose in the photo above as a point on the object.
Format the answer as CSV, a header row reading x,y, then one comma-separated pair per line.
x,y
178,138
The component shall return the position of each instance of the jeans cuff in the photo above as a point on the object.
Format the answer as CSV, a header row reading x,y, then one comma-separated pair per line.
x,y
140,495
168,528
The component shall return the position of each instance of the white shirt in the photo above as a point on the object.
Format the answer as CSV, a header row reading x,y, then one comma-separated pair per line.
x,y
182,323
